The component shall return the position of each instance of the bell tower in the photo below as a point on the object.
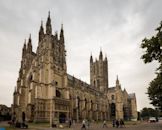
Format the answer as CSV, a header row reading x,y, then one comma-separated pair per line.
x,y
99,73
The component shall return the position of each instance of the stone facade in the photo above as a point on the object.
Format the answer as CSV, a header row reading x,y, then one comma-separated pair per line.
x,y
45,91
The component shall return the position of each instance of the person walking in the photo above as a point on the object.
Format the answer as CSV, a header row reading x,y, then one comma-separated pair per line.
x,y
14,119
113,123
83,125
104,124
70,123
122,123
88,124
117,123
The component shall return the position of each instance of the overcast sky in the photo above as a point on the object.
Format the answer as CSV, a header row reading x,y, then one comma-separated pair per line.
x,y
116,26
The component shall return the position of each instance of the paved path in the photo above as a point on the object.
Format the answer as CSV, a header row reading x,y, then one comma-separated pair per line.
x,y
142,126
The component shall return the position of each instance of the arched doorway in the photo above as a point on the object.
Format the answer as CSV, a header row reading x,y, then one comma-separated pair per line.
x,y
23,117
113,110
62,117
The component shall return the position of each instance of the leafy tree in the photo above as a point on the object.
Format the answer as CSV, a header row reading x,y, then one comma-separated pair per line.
x,y
145,113
155,91
153,52
153,47
148,112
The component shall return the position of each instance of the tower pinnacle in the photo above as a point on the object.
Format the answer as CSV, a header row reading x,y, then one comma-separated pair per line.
x,y
117,80
100,56
62,34
41,32
24,49
91,59
29,46
29,41
48,25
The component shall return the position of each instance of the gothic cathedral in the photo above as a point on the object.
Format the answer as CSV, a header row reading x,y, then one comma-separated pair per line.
x,y
45,91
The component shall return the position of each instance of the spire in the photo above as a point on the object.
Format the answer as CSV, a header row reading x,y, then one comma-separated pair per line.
x,y
41,32
62,30
29,46
41,27
48,25
56,35
117,80
91,59
29,41
24,49
15,90
117,83
100,56
62,34
105,57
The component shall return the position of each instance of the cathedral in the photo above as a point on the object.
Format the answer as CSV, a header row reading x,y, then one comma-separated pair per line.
x,y
46,92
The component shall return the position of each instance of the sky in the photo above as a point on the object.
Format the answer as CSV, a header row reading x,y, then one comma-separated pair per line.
x,y
116,27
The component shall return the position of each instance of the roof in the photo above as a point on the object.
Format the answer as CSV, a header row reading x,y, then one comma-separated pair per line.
x,y
131,95
82,83
111,89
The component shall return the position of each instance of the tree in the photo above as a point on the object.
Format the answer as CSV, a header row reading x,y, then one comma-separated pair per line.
x,y
148,112
155,91
145,113
153,52
153,47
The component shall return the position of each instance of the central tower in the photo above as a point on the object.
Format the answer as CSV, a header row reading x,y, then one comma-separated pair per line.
x,y
99,73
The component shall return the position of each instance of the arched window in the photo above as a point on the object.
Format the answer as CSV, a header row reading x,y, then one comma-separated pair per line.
x,y
91,106
98,83
58,94
113,109
78,102
112,97
85,102
30,78
94,83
